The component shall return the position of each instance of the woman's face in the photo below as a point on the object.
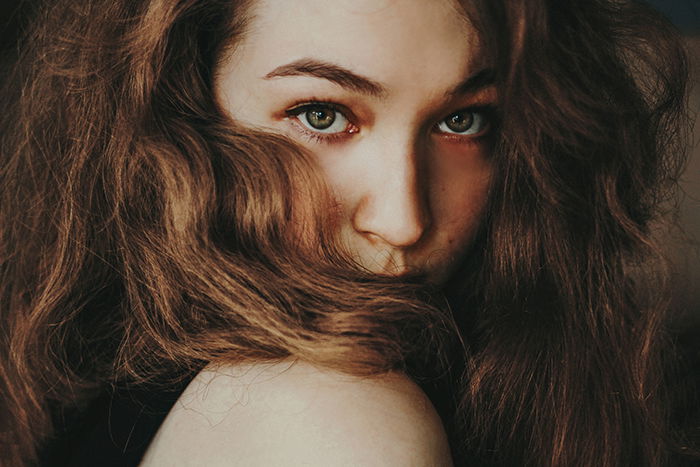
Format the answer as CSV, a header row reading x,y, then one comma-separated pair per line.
x,y
394,101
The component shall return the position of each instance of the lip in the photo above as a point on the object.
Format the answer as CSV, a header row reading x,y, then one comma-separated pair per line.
x,y
434,269
392,264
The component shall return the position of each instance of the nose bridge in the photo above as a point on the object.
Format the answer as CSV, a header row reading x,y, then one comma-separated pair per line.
x,y
394,207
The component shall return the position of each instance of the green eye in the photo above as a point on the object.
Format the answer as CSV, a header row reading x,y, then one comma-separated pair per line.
x,y
460,122
320,119
464,122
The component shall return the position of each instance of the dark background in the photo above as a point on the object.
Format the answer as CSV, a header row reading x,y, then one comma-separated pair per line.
x,y
684,13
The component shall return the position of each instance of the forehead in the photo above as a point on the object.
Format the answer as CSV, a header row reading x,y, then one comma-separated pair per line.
x,y
392,41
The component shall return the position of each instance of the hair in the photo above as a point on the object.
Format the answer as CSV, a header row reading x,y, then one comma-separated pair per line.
x,y
144,234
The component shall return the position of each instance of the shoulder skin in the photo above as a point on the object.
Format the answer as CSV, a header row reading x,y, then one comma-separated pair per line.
x,y
292,414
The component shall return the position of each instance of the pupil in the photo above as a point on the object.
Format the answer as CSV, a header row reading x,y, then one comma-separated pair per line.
x,y
320,118
461,122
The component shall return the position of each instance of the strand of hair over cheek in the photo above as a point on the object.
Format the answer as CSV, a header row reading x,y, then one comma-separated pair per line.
x,y
271,297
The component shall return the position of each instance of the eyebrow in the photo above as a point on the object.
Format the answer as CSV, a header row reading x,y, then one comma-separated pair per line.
x,y
335,73
474,83
354,82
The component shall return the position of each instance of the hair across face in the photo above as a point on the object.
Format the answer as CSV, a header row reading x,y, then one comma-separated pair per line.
x,y
390,99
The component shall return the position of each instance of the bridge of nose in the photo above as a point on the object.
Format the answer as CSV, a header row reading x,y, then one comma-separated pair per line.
x,y
392,206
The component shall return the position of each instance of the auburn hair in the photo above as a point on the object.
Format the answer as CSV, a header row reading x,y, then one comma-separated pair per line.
x,y
145,234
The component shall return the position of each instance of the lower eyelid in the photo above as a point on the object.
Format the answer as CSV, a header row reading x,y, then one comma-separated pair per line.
x,y
317,136
475,139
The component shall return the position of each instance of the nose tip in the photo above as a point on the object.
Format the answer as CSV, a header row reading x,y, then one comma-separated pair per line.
x,y
394,214
399,230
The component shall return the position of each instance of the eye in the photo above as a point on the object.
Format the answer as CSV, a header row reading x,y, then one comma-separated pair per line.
x,y
320,118
465,122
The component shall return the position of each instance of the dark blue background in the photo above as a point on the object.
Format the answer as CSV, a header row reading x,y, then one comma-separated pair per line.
x,y
684,13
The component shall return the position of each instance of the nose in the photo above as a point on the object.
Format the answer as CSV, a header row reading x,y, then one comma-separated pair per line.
x,y
393,208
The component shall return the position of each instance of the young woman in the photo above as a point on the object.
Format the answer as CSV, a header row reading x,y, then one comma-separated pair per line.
x,y
338,233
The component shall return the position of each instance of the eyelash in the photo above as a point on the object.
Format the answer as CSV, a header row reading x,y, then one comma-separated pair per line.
x,y
488,112
294,113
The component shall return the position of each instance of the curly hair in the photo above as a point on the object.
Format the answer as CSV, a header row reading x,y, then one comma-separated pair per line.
x,y
144,234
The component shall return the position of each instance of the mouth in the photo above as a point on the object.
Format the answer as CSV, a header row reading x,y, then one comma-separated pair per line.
x,y
432,269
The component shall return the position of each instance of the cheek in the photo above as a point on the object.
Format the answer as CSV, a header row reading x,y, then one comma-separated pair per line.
x,y
460,184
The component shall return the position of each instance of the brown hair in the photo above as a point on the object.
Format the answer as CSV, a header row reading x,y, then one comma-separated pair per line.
x,y
566,362
144,234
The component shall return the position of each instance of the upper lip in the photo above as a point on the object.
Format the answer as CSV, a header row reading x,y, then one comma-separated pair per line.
x,y
395,264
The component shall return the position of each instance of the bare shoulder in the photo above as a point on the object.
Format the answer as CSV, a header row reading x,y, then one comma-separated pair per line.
x,y
296,414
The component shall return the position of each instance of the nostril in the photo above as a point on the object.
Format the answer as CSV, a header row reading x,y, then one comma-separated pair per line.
x,y
407,232
398,228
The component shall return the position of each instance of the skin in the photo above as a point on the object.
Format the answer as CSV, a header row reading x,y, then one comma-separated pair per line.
x,y
294,414
410,190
